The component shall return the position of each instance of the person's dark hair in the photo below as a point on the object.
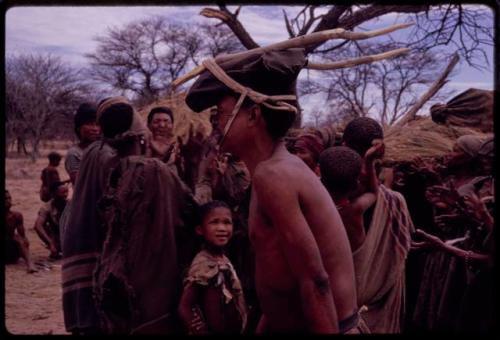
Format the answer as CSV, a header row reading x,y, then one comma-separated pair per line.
x,y
340,168
206,208
277,122
360,133
54,157
116,119
86,113
54,186
160,109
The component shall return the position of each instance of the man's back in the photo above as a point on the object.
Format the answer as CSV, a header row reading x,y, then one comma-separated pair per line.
x,y
277,286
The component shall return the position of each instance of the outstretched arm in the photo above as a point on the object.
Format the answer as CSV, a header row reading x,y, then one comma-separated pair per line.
x,y
435,241
300,249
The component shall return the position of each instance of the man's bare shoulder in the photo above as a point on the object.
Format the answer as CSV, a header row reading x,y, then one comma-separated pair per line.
x,y
279,167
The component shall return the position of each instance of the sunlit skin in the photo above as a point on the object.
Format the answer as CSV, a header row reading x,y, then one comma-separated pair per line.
x,y
293,223
217,227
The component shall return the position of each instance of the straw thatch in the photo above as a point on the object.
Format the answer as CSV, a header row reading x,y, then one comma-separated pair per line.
x,y
423,138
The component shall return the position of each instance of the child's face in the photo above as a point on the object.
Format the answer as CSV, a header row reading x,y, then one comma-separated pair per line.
x,y
217,227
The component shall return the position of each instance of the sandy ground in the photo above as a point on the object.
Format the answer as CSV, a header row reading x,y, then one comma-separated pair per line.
x,y
32,301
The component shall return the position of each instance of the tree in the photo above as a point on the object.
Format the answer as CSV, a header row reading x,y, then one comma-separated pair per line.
x,y
383,90
464,27
42,92
143,57
218,40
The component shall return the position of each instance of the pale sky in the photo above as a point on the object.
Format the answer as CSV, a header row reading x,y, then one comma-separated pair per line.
x,y
68,32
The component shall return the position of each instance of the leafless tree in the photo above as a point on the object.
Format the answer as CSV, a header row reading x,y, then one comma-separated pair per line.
x,y
466,28
42,92
218,40
383,90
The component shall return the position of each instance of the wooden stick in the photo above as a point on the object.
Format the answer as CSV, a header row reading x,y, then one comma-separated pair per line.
x,y
304,40
358,61
436,86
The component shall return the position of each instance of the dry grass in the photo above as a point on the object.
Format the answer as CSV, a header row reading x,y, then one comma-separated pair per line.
x,y
423,138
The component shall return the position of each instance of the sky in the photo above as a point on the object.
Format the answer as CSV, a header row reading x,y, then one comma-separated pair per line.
x,y
69,32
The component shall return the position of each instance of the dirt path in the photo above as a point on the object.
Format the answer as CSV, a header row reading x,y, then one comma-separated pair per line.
x,y
32,301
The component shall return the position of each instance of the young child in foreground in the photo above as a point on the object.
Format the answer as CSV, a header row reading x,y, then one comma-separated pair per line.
x,y
212,300
342,169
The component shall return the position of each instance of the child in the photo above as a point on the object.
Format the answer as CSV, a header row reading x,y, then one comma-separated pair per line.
x,y
212,300
341,168
49,176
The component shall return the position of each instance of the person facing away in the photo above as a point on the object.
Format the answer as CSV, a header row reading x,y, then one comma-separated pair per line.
x,y
49,176
340,169
88,131
47,223
136,281
380,260
212,300
16,243
304,274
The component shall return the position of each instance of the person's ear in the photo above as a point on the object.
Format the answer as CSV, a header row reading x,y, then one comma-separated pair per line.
x,y
254,115
198,230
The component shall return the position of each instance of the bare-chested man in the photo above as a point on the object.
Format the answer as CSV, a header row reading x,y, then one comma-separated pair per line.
x,y
16,242
304,269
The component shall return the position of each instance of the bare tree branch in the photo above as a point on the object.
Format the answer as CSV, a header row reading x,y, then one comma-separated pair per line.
x,y
233,23
436,86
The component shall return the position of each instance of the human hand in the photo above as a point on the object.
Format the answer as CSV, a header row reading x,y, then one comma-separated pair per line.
x,y
197,324
475,207
376,151
446,219
442,196
433,241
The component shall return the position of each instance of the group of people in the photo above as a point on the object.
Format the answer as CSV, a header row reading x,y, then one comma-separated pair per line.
x,y
237,232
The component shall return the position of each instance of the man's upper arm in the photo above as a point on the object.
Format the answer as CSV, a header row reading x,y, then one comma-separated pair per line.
x,y
279,200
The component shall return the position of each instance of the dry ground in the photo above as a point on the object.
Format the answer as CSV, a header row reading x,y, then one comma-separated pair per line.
x,y
32,301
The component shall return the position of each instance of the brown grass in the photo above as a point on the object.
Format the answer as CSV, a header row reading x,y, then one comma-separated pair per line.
x,y
423,138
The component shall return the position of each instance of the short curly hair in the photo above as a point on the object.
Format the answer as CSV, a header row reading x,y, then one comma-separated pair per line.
x,y
360,133
340,168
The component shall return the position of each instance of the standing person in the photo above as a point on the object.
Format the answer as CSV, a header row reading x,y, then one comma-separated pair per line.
x,y
47,223
340,170
137,279
49,176
82,239
87,131
304,274
212,300
16,243
380,260
161,124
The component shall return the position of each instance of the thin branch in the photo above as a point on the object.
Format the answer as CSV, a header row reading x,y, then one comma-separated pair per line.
x,y
436,86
